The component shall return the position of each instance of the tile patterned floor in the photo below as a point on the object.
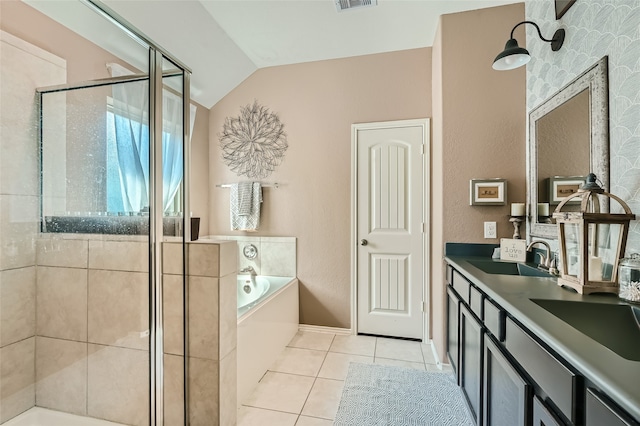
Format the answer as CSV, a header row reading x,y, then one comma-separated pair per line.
x,y
304,386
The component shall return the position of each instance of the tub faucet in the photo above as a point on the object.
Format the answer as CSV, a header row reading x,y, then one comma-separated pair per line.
x,y
545,259
252,273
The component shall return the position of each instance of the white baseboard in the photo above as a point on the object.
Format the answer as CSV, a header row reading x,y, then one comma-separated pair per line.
x,y
439,363
323,329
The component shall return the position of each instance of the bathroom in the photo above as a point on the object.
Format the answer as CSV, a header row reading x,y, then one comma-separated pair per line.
x,y
313,201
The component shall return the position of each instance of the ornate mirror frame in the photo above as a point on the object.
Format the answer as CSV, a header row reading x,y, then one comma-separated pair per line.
x,y
595,79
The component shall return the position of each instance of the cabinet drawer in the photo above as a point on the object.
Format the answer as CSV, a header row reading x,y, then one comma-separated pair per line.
x,y
601,412
461,286
556,380
475,301
494,319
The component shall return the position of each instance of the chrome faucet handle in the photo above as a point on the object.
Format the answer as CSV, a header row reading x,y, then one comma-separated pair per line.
x,y
553,267
544,261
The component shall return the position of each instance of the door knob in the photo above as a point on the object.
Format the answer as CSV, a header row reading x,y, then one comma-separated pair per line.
x,y
363,242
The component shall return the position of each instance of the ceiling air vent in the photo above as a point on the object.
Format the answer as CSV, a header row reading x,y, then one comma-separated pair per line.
x,y
353,4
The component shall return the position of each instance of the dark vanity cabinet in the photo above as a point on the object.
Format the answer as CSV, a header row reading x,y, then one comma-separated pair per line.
x,y
508,375
506,393
600,411
470,369
453,311
543,416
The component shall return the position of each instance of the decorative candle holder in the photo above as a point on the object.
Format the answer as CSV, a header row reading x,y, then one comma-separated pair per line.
x,y
516,220
544,219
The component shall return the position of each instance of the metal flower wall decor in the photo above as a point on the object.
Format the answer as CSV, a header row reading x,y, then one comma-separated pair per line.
x,y
253,143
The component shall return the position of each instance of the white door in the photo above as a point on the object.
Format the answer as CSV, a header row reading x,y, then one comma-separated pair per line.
x,y
389,230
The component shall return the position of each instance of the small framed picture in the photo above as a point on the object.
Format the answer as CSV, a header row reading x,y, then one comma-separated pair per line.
x,y
561,187
488,192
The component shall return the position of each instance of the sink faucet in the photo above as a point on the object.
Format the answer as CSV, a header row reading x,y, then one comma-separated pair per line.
x,y
545,259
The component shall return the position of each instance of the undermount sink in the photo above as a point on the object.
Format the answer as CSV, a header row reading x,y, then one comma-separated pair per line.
x,y
508,268
615,326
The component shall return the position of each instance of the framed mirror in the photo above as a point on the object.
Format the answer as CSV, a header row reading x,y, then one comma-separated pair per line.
x,y
568,139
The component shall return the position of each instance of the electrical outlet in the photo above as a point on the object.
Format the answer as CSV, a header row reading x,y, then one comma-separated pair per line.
x,y
490,230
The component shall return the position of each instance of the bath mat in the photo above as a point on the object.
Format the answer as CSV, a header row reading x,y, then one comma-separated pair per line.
x,y
378,395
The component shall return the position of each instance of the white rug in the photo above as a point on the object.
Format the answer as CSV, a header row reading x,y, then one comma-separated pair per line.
x,y
377,395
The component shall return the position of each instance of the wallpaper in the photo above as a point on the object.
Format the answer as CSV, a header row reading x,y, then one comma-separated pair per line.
x,y
595,28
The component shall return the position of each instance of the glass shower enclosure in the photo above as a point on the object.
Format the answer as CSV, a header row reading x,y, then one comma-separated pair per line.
x,y
94,174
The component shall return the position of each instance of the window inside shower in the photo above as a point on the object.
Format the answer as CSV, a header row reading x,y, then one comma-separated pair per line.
x,y
94,144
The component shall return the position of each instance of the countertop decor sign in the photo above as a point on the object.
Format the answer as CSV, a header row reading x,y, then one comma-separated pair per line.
x,y
253,143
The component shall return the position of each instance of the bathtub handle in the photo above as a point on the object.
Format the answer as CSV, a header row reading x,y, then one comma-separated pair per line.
x,y
363,242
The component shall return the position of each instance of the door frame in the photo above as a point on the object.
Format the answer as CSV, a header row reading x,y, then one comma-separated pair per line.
x,y
425,124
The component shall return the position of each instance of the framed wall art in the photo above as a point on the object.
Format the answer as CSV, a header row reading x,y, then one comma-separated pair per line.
x,y
561,187
488,192
562,6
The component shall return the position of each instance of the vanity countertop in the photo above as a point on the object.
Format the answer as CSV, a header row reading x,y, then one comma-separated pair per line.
x,y
616,376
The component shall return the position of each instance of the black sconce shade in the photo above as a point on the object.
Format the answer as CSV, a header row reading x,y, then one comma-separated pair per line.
x,y
514,56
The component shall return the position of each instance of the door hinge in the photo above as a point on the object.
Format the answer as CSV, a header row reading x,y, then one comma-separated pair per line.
x,y
423,305
422,149
424,227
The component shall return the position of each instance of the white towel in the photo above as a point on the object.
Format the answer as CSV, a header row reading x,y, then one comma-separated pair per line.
x,y
245,199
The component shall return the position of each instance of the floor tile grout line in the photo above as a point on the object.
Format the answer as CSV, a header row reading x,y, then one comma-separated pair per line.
x,y
270,409
305,349
322,364
315,417
291,374
308,395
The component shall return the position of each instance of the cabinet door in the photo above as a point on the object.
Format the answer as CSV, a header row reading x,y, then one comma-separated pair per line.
x,y
453,312
506,394
543,416
471,361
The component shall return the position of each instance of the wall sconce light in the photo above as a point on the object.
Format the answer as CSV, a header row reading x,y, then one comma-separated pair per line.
x,y
514,56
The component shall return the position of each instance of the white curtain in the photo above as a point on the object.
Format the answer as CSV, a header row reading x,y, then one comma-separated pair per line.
x,y
131,105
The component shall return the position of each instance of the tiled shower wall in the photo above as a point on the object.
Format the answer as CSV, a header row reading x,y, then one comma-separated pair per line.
x,y
596,28
26,67
92,323
87,315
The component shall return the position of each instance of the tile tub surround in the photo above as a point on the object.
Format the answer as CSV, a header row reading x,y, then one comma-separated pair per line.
x,y
276,255
211,280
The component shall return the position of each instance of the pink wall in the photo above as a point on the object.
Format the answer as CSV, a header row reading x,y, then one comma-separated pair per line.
x,y
479,127
318,102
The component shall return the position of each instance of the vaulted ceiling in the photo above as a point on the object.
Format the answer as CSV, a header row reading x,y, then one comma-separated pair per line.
x,y
225,41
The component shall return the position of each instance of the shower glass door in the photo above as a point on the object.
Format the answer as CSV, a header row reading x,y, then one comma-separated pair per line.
x,y
92,186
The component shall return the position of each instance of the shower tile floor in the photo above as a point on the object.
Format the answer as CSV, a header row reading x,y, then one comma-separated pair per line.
x,y
304,385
